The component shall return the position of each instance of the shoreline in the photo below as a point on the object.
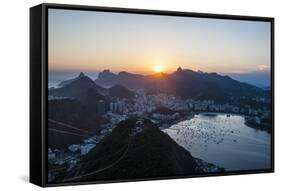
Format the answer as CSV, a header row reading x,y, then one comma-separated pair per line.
x,y
206,167
262,127
202,165
248,120
169,124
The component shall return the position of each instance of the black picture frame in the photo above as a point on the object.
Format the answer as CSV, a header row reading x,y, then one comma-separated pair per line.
x,y
39,87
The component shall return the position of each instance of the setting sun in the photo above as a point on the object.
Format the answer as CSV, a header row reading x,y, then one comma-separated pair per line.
x,y
158,68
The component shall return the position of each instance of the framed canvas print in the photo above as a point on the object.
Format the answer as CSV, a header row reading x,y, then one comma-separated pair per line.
x,y
128,94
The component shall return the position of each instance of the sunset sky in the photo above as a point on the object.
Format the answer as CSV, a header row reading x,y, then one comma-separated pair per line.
x,y
93,41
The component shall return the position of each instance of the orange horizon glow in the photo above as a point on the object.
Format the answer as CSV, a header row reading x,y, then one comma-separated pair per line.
x,y
146,44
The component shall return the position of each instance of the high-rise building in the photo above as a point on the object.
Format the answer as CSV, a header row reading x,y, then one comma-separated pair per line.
x,y
101,107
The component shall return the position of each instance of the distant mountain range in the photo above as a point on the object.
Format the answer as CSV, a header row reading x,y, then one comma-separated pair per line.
x,y
82,85
260,79
185,83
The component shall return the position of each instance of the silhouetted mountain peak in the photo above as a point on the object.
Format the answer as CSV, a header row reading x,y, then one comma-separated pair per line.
x,y
84,81
105,77
81,75
124,73
106,74
150,152
179,69
75,87
66,82
183,71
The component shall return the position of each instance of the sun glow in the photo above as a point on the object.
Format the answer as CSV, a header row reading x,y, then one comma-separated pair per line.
x,y
158,68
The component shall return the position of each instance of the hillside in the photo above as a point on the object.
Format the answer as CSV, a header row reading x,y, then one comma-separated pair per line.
x,y
119,91
67,113
185,83
75,88
64,83
129,152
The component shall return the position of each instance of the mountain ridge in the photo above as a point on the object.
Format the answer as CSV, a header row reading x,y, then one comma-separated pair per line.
x,y
75,87
185,83
64,83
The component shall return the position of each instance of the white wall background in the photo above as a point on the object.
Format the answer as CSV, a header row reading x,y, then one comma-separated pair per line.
x,y
14,95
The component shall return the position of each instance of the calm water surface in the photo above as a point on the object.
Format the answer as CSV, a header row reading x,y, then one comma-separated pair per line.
x,y
224,141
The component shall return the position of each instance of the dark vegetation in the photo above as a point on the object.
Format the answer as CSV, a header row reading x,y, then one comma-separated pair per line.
x,y
163,110
71,112
149,153
265,124
79,108
118,91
